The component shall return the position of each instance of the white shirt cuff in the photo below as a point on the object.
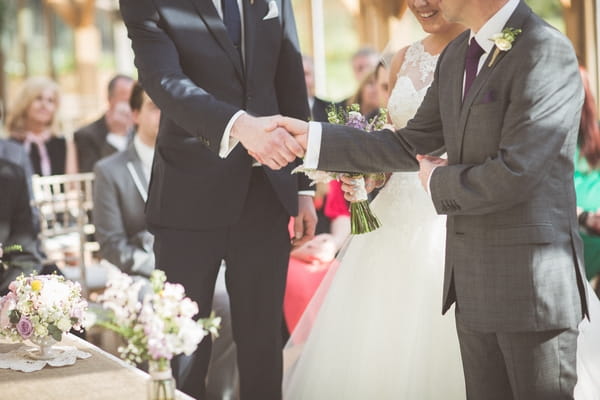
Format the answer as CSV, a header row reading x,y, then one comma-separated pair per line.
x,y
310,193
313,146
429,181
228,145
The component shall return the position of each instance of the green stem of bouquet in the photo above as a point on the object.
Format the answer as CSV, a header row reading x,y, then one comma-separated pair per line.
x,y
362,219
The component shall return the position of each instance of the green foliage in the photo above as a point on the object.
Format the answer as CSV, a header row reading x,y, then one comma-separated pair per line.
x,y
550,10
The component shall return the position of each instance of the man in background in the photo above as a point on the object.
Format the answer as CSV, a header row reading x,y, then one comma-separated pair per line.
x,y
111,132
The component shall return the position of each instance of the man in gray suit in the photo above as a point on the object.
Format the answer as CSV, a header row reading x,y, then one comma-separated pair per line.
x,y
120,192
508,120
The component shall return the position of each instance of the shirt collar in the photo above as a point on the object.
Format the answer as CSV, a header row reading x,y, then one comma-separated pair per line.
x,y
145,152
494,25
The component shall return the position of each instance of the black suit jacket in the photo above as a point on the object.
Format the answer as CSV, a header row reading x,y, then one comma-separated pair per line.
x,y
191,70
91,144
16,224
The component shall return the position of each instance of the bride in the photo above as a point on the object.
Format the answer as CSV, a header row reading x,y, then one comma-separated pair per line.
x,y
374,329
379,333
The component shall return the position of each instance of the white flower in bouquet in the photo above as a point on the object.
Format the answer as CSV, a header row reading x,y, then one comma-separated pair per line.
x,y
42,305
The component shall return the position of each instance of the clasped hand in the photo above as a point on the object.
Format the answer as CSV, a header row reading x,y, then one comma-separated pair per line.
x,y
273,141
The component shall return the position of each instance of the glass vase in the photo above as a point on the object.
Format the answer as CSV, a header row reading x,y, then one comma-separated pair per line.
x,y
161,384
44,350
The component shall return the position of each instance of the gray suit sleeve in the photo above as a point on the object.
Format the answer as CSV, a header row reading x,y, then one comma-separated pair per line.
x,y
545,105
346,149
132,255
157,61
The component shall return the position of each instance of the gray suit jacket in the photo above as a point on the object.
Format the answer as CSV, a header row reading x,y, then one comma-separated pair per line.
x,y
513,253
120,192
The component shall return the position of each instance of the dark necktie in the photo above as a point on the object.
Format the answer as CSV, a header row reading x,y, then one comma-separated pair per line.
x,y
474,53
233,22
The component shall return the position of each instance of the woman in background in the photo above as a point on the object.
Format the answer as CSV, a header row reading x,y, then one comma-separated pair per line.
x,y
32,121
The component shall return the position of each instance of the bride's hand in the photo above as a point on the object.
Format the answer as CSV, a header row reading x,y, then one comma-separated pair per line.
x,y
356,188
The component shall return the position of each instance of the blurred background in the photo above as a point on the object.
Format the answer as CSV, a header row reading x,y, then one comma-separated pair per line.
x,y
82,43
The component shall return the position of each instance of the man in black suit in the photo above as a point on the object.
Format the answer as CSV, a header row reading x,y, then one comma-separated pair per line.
x,y
16,225
111,132
214,67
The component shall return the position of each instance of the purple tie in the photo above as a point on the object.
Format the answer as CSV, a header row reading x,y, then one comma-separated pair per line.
x,y
474,53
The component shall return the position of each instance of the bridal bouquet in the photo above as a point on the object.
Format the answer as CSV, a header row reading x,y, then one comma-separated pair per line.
x,y
362,219
157,324
41,306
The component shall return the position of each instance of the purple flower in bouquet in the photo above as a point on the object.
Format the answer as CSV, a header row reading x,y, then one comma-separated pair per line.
x,y
356,120
25,327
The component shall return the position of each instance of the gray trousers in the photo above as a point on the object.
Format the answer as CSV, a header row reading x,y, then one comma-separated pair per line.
x,y
519,366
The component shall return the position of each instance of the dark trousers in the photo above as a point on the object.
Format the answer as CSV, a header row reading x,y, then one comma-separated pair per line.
x,y
519,366
256,251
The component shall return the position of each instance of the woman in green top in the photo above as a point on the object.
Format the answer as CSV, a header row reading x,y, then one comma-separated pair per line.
x,y
587,181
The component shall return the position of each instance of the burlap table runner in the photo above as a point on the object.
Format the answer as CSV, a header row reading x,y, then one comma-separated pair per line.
x,y
100,377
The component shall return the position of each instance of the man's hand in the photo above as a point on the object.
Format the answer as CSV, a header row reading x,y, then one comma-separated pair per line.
x,y
268,143
306,221
427,165
119,120
296,127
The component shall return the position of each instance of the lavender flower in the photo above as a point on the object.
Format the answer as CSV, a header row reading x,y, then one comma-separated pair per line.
x,y
25,327
356,120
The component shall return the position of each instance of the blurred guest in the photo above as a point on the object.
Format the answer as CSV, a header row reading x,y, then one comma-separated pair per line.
x,y
16,226
311,261
367,96
120,192
382,81
587,180
364,62
112,131
32,121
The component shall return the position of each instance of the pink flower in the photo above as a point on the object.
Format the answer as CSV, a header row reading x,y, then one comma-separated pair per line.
x,y
25,327
7,303
13,286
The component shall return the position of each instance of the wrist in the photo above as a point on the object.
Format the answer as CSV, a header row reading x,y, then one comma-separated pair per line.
x,y
237,132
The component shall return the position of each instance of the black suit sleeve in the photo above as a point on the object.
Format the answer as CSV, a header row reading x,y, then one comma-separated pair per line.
x,y
16,225
161,75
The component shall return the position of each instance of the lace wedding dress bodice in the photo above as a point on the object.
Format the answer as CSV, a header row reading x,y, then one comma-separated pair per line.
x,y
414,78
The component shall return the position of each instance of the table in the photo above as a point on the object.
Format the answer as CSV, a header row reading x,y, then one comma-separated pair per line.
x,y
99,377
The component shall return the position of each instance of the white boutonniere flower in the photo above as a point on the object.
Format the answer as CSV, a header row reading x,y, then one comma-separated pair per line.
x,y
503,41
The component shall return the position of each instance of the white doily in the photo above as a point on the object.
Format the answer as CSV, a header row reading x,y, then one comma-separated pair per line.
x,y
20,359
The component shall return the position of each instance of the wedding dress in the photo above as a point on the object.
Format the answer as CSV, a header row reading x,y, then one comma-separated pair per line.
x,y
374,329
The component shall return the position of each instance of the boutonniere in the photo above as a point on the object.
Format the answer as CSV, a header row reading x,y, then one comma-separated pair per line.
x,y
503,41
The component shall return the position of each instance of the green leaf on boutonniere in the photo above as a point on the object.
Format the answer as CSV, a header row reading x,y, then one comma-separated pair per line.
x,y
503,41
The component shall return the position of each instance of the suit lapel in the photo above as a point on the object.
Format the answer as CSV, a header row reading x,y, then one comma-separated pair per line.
x,y
515,21
215,24
134,166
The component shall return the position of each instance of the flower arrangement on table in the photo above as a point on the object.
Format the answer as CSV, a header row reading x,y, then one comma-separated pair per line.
x,y
41,308
362,219
157,324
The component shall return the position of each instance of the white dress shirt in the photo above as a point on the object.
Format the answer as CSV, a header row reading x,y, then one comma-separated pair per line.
x,y
117,141
494,25
146,155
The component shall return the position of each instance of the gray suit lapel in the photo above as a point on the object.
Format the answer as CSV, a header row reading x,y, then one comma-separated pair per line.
x,y
215,24
134,166
516,20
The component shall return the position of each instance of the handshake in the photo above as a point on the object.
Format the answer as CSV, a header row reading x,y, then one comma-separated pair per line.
x,y
273,141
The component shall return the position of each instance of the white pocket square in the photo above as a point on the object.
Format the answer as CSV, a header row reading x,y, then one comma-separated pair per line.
x,y
273,11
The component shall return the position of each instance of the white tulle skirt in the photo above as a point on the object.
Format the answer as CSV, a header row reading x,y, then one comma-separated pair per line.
x,y
374,329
